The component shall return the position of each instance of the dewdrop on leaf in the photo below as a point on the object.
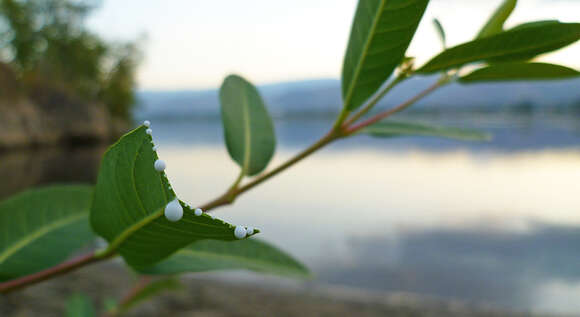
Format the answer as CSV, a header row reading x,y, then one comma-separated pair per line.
x,y
159,165
249,230
147,123
155,148
173,211
198,212
240,232
149,131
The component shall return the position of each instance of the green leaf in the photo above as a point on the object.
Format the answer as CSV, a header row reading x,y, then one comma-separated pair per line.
x,y
248,128
152,289
534,24
518,44
396,129
441,32
496,21
80,305
249,254
129,202
381,33
519,71
40,228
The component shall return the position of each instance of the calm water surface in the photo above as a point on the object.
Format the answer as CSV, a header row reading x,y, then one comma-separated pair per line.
x,y
495,223
489,223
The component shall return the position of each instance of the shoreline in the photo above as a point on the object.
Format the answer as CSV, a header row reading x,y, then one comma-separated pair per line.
x,y
204,295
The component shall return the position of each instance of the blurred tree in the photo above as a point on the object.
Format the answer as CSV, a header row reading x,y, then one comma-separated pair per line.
x,y
47,44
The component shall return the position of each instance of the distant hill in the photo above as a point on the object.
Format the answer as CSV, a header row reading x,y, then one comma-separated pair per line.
x,y
323,97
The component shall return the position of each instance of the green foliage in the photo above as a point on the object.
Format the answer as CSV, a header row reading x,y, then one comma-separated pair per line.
x,y
130,197
248,128
390,129
150,290
535,24
519,71
496,21
79,305
381,32
117,88
48,45
129,202
25,40
249,254
42,227
512,45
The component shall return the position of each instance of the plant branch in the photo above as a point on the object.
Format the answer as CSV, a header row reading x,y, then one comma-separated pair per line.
x,y
237,182
121,307
341,117
54,271
376,98
140,285
355,128
229,196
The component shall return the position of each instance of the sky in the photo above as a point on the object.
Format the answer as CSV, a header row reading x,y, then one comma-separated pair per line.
x,y
194,44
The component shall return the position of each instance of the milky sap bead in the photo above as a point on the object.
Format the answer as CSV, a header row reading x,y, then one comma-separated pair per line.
x,y
147,123
249,230
159,165
240,232
173,211
149,131
198,212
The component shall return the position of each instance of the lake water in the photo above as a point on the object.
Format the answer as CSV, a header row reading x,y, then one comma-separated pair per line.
x,y
493,223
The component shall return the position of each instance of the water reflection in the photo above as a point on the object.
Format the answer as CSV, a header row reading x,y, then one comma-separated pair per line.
x,y
487,222
504,268
485,226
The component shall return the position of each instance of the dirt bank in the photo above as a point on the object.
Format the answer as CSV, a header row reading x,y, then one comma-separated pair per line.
x,y
50,115
206,297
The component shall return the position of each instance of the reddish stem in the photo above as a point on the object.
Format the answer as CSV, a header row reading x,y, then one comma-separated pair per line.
x,y
354,128
225,199
57,270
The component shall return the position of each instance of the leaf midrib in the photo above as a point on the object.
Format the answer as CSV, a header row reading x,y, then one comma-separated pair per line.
x,y
27,240
129,231
247,134
363,55
497,54
144,221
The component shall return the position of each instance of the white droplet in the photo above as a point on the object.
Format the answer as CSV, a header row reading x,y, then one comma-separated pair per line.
x,y
149,131
173,211
249,230
198,212
240,232
169,187
159,165
155,148
147,123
